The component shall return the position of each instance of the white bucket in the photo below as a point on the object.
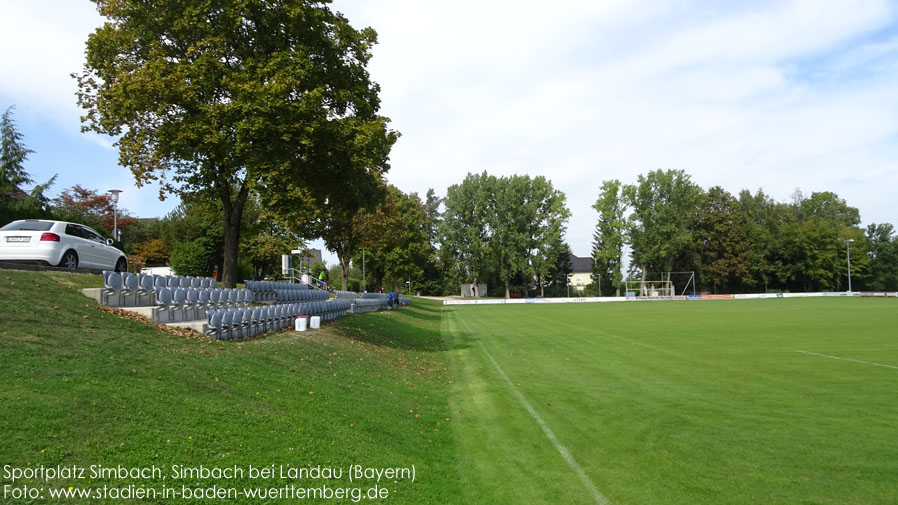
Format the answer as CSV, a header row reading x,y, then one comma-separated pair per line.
x,y
301,323
316,322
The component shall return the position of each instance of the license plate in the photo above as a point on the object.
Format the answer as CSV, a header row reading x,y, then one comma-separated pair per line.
x,y
18,239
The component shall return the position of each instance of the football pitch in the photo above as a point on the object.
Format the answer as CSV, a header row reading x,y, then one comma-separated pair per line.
x,y
744,402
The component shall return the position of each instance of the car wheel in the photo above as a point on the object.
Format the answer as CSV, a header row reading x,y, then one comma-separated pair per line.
x,y
121,265
69,260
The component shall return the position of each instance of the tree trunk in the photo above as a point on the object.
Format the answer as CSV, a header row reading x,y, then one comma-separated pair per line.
x,y
542,289
642,284
344,269
507,294
233,212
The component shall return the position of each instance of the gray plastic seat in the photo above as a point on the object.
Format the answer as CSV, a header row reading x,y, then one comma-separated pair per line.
x,y
213,321
112,286
227,320
214,297
237,322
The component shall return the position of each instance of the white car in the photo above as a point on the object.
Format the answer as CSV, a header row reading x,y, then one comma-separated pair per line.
x,y
58,243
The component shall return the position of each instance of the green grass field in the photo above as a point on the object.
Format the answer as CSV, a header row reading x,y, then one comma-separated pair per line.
x,y
680,402
626,403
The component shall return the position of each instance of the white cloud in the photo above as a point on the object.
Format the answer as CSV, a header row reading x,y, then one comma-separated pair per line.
x,y
43,44
583,95
776,95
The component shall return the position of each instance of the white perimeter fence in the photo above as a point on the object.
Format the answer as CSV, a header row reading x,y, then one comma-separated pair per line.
x,y
602,299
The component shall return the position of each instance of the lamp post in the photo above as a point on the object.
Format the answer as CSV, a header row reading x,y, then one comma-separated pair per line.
x,y
115,193
848,254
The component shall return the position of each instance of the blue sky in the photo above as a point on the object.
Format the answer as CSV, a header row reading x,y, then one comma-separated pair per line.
x,y
772,95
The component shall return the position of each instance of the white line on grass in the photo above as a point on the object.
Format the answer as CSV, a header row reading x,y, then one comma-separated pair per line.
x,y
593,490
848,359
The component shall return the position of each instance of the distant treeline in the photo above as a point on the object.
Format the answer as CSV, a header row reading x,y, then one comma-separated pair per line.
x,y
738,243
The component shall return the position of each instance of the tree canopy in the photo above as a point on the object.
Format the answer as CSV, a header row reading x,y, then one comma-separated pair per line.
x,y
508,227
235,98
739,244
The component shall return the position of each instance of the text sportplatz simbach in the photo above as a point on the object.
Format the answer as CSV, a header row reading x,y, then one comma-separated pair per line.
x,y
187,482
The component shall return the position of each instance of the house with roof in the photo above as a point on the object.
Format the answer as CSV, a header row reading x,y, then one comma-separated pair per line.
x,y
581,273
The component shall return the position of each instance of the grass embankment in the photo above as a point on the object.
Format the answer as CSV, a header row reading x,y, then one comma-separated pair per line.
x,y
84,387
681,402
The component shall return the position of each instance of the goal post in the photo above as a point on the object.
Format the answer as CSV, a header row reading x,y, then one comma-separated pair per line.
x,y
648,288
664,287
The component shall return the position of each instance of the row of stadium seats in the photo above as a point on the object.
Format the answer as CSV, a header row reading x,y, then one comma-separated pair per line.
x,y
177,305
136,290
267,290
226,324
299,295
369,305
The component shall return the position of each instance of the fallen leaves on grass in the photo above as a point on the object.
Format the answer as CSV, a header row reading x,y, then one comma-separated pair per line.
x,y
171,330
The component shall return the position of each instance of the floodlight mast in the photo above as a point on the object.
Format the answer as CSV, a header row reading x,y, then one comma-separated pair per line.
x,y
848,254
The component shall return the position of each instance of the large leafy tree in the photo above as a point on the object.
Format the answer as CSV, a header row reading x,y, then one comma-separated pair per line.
x,y
509,227
883,257
546,225
609,237
397,244
512,210
662,226
726,254
465,229
236,97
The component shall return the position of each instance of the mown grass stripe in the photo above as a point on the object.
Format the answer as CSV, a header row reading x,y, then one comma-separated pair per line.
x,y
847,359
568,457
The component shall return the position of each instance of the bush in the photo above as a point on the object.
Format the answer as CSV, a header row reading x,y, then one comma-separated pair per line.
x,y
136,263
190,258
245,270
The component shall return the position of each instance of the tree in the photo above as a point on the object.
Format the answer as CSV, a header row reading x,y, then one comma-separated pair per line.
x,y
340,224
152,251
13,154
94,208
237,97
761,220
196,219
556,281
15,203
661,229
432,212
609,237
509,227
465,230
883,257
396,243
546,226
267,241
726,254
512,211
190,258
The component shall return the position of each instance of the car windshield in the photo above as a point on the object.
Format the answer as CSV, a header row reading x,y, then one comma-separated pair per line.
x,y
28,226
